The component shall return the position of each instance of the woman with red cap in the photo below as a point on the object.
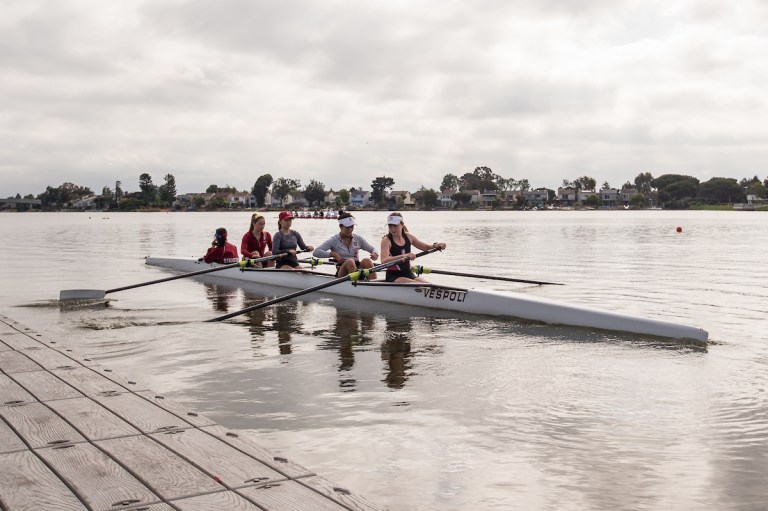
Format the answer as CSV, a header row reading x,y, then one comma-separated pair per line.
x,y
221,251
286,241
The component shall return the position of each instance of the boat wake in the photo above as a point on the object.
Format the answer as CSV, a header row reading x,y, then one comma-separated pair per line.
x,y
120,324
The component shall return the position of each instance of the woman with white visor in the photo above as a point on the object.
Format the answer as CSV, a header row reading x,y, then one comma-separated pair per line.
x,y
397,244
345,248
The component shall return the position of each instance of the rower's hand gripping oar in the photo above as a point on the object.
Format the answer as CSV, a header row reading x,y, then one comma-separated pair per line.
x,y
350,277
98,294
418,270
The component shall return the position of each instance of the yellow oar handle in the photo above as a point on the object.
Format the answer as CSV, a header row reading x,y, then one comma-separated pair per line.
x,y
314,261
359,274
317,262
250,262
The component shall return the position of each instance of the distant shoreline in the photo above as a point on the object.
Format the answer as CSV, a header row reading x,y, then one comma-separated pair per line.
x,y
732,207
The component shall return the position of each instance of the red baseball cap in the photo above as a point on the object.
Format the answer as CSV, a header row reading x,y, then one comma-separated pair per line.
x,y
285,215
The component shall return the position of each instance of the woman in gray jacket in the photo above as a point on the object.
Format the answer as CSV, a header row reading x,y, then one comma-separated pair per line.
x,y
345,248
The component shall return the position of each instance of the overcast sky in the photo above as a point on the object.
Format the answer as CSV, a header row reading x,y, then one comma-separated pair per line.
x,y
222,91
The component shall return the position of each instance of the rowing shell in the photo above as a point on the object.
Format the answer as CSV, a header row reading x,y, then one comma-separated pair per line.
x,y
472,301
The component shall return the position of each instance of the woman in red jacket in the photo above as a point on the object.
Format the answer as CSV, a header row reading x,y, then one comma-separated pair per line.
x,y
257,242
221,251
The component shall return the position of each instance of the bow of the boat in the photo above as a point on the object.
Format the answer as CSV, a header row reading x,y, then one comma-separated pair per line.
x,y
550,311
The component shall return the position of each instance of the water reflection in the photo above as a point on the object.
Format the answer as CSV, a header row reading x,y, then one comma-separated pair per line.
x,y
259,321
396,352
351,329
221,297
282,318
285,322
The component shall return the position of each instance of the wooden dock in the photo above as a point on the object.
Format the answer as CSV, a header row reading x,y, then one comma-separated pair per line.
x,y
75,436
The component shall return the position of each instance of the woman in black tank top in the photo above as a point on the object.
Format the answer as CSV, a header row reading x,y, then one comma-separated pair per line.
x,y
397,245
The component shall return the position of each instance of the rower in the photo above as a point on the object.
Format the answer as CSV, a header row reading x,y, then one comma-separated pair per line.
x,y
345,247
397,245
221,251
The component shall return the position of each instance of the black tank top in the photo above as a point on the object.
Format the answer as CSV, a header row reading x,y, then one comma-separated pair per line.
x,y
397,250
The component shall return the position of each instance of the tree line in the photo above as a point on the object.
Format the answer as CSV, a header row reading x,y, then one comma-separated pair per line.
x,y
674,191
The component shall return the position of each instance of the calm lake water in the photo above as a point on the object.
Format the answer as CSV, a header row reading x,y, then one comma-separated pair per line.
x,y
417,411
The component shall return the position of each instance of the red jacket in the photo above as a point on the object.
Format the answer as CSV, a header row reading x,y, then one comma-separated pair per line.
x,y
225,255
253,247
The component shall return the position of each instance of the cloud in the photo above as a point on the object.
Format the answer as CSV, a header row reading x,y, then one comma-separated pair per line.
x,y
96,92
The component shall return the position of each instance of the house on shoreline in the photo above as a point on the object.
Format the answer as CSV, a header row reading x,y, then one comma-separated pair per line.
x,y
19,204
359,199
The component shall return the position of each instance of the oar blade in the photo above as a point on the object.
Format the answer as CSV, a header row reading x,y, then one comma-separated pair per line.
x,y
82,294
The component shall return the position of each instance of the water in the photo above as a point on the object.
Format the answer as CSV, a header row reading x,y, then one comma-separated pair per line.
x,y
421,412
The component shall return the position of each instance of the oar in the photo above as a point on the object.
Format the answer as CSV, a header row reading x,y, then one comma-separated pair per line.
x,y
314,261
418,270
98,294
351,277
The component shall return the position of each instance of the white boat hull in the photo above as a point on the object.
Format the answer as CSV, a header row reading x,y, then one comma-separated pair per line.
x,y
473,301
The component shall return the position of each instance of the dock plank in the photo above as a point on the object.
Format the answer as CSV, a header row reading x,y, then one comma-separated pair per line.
x,y
127,383
96,478
93,420
28,485
38,425
151,507
45,386
233,468
88,381
50,359
13,393
5,327
19,341
227,500
147,417
179,410
170,476
240,441
81,358
289,496
16,362
9,441
338,493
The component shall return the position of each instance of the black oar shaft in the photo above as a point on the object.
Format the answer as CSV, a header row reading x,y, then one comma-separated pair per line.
x,y
166,279
491,277
280,299
301,292
190,274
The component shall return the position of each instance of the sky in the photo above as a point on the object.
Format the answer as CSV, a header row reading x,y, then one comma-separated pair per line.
x,y
223,91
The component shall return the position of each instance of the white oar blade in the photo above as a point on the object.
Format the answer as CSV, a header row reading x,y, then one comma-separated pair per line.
x,y
81,294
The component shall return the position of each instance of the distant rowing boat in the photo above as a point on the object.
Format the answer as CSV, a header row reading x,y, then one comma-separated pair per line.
x,y
472,301
317,215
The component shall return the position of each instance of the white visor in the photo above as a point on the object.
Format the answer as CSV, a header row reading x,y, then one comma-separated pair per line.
x,y
394,220
347,222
